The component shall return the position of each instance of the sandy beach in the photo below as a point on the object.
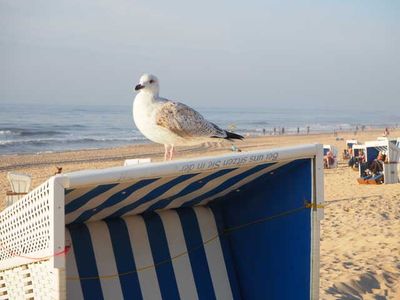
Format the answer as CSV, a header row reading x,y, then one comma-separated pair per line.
x,y
360,244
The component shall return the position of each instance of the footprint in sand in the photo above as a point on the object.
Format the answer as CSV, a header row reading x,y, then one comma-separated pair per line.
x,y
348,264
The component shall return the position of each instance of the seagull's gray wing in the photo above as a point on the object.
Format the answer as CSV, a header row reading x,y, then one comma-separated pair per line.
x,y
186,122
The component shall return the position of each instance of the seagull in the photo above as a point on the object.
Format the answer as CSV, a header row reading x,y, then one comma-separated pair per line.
x,y
171,123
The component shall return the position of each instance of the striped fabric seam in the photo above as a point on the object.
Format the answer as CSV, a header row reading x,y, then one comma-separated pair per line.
x,y
152,195
225,185
114,199
242,183
189,189
80,201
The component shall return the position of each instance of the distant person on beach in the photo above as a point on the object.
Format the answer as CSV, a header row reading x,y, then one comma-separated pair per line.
x,y
298,130
283,130
386,132
361,156
308,129
274,130
375,167
263,131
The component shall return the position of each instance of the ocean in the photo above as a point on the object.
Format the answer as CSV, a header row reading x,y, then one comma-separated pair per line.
x,y
29,128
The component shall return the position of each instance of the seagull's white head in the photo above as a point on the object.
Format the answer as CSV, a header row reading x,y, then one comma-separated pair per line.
x,y
149,84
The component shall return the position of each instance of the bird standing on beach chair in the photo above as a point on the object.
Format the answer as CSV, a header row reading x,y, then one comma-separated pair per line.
x,y
172,123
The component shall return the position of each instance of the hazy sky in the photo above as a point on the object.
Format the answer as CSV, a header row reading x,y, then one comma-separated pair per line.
x,y
205,53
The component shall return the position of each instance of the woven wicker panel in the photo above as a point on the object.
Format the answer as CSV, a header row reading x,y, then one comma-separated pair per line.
x,y
25,226
33,281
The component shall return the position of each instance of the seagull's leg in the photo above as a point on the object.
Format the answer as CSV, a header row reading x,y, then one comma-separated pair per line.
x,y
166,152
171,152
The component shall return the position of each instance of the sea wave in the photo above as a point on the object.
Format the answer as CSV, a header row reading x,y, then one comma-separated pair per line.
x,y
28,132
50,141
6,132
35,128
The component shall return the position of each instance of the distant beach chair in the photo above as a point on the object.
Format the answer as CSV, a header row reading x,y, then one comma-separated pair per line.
x,y
359,151
357,148
350,143
348,153
20,184
330,156
136,161
391,164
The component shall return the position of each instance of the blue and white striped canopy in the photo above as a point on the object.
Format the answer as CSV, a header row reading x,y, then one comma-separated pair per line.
x,y
132,197
192,229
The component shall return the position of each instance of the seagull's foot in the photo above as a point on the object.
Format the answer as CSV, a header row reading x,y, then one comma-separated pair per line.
x,y
171,152
166,152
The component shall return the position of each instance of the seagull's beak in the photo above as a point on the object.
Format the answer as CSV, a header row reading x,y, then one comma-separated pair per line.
x,y
139,87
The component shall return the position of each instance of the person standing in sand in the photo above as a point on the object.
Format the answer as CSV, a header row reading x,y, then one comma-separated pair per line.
x,y
386,132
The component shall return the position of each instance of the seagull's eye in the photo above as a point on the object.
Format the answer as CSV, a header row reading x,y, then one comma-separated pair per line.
x,y
151,81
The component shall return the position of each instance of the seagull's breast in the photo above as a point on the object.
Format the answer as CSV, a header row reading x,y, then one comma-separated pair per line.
x,y
142,111
145,109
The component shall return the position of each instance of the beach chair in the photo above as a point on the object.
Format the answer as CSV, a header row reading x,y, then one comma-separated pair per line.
x,y
333,149
346,154
239,226
356,149
136,161
19,184
350,143
392,165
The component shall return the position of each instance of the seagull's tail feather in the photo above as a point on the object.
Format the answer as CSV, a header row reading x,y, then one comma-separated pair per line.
x,y
233,136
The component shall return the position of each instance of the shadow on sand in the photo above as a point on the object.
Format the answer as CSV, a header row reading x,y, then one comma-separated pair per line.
x,y
356,289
